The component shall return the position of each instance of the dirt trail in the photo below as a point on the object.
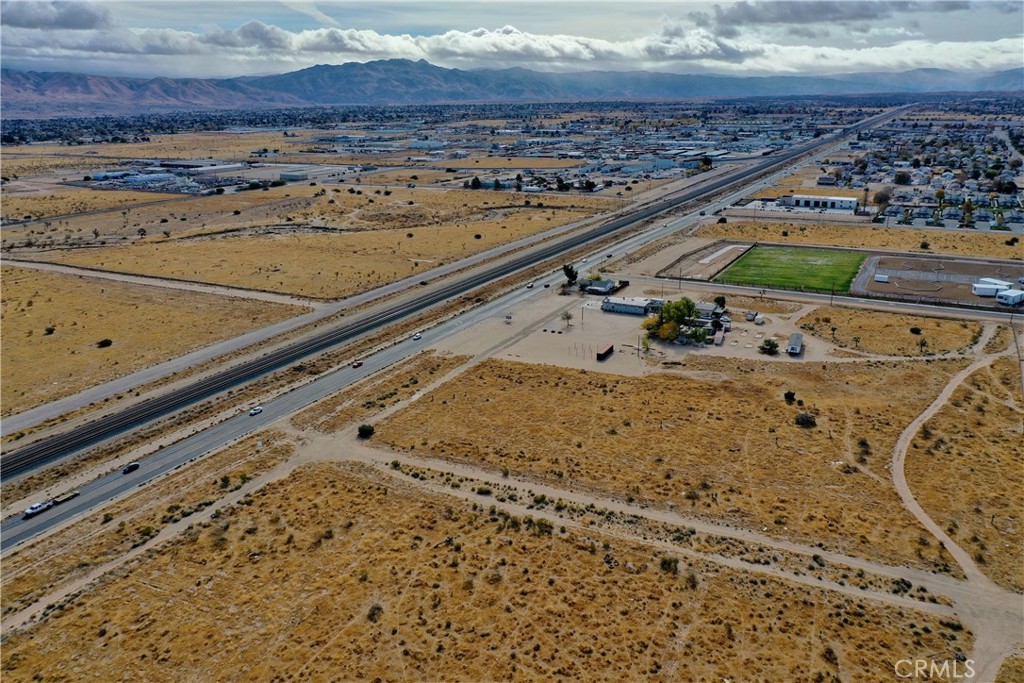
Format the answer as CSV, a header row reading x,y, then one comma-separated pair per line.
x,y
166,283
998,632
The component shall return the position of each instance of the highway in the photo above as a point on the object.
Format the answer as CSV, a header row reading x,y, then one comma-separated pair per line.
x,y
16,530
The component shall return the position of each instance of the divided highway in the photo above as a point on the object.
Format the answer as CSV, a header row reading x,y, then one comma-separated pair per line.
x,y
56,447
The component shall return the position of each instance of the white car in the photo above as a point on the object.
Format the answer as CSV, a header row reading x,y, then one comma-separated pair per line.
x,y
256,411
417,336
36,508
529,286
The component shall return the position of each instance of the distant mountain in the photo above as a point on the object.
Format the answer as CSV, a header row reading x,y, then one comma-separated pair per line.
x,y
399,81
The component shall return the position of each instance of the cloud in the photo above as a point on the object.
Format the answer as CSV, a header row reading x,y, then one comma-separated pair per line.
x,y
677,45
726,20
312,11
74,16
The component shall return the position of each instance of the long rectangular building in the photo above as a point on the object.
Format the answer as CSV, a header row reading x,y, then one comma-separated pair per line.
x,y
633,305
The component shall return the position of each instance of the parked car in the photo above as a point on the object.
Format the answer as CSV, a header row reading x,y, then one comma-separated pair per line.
x,y
256,411
130,467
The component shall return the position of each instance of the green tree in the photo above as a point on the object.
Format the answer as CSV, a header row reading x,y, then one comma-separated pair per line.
x,y
679,312
720,301
475,183
571,274
769,347
882,198
699,335
901,178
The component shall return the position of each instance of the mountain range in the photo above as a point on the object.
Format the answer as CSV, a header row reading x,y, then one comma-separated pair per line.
x,y
29,94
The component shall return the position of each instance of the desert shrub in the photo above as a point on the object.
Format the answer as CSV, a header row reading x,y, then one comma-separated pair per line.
x,y
103,343
365,431
806,420
915,330
790,397
374,614
670,565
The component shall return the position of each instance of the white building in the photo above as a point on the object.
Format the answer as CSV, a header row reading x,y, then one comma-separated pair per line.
x,y
634,305
821,203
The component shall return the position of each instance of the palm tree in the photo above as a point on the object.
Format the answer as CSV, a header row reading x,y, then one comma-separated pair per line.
x,y
566,316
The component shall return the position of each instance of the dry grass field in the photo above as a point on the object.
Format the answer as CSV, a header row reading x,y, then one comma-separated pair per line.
x,y
717,440
888,334
896,239
77,201
210,145
367,239
418,176
52,324
812,190
376,393
1012,670
29,162
71,553
964,467
333,573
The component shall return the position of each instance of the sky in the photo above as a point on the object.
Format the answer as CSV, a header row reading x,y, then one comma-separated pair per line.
x,y
228,38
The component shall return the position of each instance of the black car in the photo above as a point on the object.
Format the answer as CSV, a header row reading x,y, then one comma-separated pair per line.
x,y
130,467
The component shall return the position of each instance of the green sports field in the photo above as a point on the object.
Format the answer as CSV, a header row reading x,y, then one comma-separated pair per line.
x,y
822,270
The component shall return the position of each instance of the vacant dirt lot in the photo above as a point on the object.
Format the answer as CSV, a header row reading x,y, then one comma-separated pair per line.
x,y
69,554
214,144
387,582
377,393
888,334
366,240
964,468
76,201
717,439
512,162
27,162
897,239
52,325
